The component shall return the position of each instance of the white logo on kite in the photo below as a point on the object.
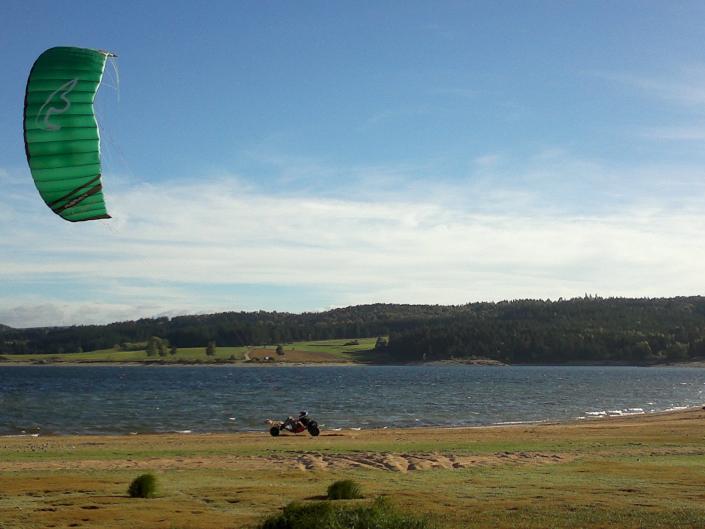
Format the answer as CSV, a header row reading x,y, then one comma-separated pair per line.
x,y
47,110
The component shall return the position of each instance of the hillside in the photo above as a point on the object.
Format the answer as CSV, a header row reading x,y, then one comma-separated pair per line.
x,y
226,329
522,331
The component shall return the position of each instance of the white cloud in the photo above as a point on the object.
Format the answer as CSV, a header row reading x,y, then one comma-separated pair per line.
x,y
58,313
172,245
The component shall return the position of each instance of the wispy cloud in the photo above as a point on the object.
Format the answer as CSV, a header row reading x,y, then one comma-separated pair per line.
x,y
465,93
685,86
487,160
675,133
394,114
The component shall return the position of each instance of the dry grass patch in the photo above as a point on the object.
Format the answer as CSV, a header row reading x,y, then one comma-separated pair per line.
x,y
646,471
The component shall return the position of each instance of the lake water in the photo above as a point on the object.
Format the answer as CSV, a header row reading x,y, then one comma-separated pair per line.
x,y
135,399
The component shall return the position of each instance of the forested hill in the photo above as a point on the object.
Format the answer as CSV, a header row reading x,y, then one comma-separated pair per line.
x,y
590,330
524,331
228,328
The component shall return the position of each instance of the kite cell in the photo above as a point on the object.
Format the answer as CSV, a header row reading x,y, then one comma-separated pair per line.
x,y
61,132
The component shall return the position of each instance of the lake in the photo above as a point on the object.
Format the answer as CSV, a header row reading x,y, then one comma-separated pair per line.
x,y
145,399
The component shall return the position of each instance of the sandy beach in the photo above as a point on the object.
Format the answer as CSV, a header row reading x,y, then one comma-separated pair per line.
x,y
643,470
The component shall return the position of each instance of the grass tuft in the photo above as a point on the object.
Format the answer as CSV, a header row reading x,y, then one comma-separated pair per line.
x,y
324,515
144,486
345,489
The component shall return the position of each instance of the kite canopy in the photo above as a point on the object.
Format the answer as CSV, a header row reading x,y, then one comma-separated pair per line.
x,y
61,132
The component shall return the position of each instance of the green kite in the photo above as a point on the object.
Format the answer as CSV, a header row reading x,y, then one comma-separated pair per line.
x,y
61,132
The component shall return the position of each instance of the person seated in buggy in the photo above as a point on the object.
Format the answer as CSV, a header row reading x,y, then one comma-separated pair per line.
x,y
297,424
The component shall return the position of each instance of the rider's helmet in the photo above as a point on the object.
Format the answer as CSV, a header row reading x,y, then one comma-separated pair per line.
x,y
303,413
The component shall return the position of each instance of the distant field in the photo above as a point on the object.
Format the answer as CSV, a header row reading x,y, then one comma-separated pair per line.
x,y
324,351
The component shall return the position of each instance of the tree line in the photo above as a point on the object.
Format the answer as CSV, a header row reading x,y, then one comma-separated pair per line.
x,y
225,329
588,329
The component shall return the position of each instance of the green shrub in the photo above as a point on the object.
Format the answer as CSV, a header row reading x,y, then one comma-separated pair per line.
x,y
345,489
323,515
144,486
300,516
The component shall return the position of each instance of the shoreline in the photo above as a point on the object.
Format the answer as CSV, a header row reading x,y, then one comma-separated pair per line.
x,y
448,363
577,421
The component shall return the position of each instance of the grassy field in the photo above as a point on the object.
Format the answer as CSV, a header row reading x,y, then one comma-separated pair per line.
x,y
327,351
638,472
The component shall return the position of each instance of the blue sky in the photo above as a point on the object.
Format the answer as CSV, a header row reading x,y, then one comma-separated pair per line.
x,y
298,156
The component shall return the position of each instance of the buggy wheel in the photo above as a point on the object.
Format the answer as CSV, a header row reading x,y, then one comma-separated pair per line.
x,y
313,428
274,431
